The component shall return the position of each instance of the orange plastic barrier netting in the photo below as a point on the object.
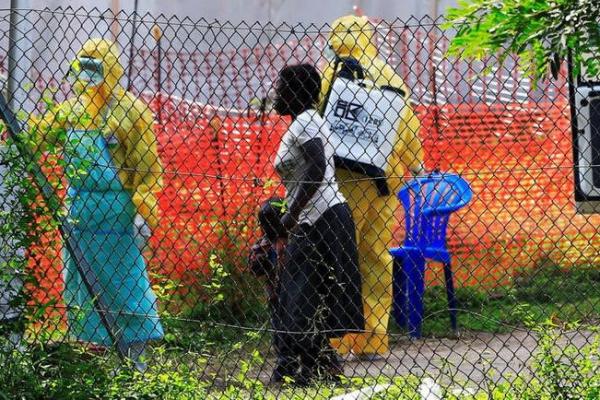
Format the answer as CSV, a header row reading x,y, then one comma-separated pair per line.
x,y
517,158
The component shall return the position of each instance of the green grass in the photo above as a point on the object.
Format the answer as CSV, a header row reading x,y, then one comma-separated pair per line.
x,y
548,292
200,359
67,372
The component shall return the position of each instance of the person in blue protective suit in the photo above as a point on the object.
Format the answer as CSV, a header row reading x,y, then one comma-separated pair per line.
x,y
112,197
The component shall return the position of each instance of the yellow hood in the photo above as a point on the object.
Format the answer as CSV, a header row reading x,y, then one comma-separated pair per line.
x,y
107,52
353,36
129,119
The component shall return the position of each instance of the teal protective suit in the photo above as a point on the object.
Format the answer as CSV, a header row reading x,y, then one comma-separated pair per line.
x,y
103,212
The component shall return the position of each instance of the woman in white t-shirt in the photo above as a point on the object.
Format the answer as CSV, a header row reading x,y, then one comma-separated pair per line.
x,y
319,282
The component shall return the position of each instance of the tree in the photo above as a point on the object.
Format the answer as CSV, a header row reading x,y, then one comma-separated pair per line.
x,y
541,33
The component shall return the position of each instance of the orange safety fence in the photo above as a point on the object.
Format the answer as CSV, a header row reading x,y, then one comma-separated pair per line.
x,y
517,158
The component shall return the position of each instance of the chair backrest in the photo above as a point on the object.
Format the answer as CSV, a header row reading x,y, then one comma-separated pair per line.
x,y
428,203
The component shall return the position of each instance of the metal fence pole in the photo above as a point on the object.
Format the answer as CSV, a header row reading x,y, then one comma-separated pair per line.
x,y
157,34
132,44
18,47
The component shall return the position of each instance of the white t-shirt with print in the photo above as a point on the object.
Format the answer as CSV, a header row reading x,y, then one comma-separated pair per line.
x,y
291,165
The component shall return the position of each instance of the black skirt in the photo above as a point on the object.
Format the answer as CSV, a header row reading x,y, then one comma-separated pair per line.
x,y
319,288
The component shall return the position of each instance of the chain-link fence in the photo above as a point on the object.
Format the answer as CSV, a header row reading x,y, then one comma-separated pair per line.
x,y
195,209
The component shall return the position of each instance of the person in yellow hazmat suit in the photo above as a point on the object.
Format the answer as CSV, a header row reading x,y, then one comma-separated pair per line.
x,y
374,215
107,136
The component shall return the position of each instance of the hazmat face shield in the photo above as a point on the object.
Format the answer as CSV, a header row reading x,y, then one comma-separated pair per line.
x,y
86,73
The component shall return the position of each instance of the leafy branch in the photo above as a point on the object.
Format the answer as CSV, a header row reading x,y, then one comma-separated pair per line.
x,y
541,33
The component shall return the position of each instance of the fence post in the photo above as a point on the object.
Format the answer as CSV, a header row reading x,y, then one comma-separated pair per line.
x,y
157,34
114,25
433,75
19,46
132,44
215,124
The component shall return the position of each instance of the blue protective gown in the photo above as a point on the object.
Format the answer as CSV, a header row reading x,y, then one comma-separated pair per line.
x,y
102,212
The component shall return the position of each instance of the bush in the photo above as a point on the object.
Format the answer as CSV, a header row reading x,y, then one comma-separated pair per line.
x,y
559,371
67,372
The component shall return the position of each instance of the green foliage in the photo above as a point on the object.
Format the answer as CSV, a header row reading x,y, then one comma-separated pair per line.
x,y
560,371
211,315
68,372
540,32
228,293
27,219
565,295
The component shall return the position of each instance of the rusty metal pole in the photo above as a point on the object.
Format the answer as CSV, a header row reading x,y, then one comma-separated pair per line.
x,y
114,26
132,45
433,37
157,35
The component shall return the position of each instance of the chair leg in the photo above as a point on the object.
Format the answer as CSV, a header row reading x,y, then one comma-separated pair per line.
x,y
399,290
414,266
452,306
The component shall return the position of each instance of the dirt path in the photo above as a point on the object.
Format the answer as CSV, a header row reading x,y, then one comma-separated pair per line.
x,y
464,360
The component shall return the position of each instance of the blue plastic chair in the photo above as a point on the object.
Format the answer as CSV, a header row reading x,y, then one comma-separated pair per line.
x,y
428,203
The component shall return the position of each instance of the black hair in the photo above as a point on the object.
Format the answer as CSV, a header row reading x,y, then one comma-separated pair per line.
x,y
298,89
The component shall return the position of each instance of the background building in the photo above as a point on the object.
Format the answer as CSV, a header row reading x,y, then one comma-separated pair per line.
x,y
277,11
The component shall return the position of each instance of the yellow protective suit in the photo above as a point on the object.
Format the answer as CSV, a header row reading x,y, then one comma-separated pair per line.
x,y
352,36
136,157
